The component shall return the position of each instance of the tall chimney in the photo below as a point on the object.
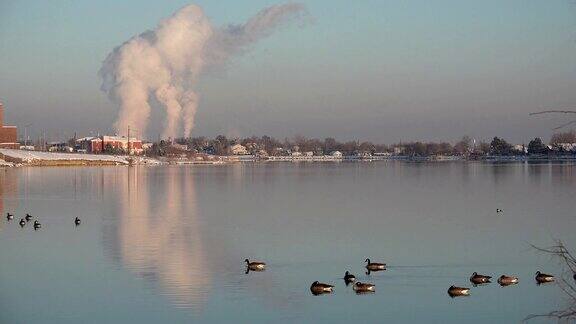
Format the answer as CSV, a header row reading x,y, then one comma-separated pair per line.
x,y
1,114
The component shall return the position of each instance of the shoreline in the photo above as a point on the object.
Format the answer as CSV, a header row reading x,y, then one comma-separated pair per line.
x,y
20,158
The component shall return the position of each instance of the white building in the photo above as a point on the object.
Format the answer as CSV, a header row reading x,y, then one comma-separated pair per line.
x,y
399,150
238,149
568,147
336,154
520,148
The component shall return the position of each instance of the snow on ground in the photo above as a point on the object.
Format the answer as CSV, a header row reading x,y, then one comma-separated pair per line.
x,y
30,156
5,164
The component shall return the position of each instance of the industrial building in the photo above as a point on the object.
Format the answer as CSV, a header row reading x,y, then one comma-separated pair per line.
x,y
104,143
8,134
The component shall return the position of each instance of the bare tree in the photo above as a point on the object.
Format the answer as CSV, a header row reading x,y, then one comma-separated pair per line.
x,y
566,282
557,112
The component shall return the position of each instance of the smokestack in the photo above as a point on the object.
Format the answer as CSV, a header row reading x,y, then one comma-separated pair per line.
x,y
166,63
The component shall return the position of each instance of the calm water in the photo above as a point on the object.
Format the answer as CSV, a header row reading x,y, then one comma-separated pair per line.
x,y
168,243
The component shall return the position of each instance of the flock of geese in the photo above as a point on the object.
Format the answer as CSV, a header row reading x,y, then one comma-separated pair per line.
x,y
504,280
319,288
36,224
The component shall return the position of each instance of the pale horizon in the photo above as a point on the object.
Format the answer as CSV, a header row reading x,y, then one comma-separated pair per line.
x,y
383,72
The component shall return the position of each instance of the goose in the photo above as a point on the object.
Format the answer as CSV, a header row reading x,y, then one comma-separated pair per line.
x,y
361,287
507,280
543,278
22,222
478,279
373,266
9,216
77,221
318,288
454,291
28,217
348,277
37,224
255,266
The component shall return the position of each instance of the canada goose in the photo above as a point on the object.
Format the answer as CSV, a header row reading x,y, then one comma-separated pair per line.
x,y
373,266
454,291
22,222
348,277
77,221
255,266
28,217
498,210
478,279
36,224
507,280
543,278
9,216
361,287
318,288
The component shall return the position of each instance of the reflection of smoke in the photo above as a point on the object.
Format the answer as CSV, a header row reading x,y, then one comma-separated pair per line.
x,y
159,239
165,63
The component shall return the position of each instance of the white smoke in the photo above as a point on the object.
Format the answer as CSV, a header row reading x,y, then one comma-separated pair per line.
x,y
165,63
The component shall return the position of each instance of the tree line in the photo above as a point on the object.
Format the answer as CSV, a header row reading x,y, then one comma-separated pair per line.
x,y
221,145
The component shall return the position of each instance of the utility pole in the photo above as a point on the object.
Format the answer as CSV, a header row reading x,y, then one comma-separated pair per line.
x,y
26,134
128,140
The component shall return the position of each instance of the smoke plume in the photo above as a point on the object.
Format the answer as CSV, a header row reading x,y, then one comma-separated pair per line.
x,y
162,66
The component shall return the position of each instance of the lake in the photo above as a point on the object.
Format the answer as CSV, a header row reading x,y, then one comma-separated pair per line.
x,y
168,243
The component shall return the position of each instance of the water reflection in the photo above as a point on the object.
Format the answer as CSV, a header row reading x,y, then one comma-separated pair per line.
x,y
159,236
8,191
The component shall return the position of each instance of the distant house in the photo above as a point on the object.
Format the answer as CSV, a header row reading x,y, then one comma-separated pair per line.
x,y
238,149
181,147
262,153
567,147
520,148
279,151
336,154
398,150
59,147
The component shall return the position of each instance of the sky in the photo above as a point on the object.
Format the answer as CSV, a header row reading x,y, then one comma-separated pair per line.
x,y
383,71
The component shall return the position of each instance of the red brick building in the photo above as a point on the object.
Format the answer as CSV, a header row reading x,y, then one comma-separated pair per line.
x,y
94,144
8,134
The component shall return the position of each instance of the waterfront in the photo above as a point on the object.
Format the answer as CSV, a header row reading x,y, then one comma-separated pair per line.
x,y
167,243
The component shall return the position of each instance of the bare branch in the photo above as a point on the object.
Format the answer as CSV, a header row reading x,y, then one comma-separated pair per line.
x,y
564,125
553,111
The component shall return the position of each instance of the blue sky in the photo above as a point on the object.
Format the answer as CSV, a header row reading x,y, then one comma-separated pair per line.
x,y
376,70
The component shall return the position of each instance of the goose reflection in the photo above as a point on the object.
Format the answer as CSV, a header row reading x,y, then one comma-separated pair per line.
x,y
159,236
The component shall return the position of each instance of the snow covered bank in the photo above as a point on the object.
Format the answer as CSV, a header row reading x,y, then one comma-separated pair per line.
x,y
49,158
5,164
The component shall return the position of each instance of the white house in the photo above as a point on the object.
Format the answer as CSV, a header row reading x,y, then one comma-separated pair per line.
x,y
238,149
568,147
336,154
520,148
